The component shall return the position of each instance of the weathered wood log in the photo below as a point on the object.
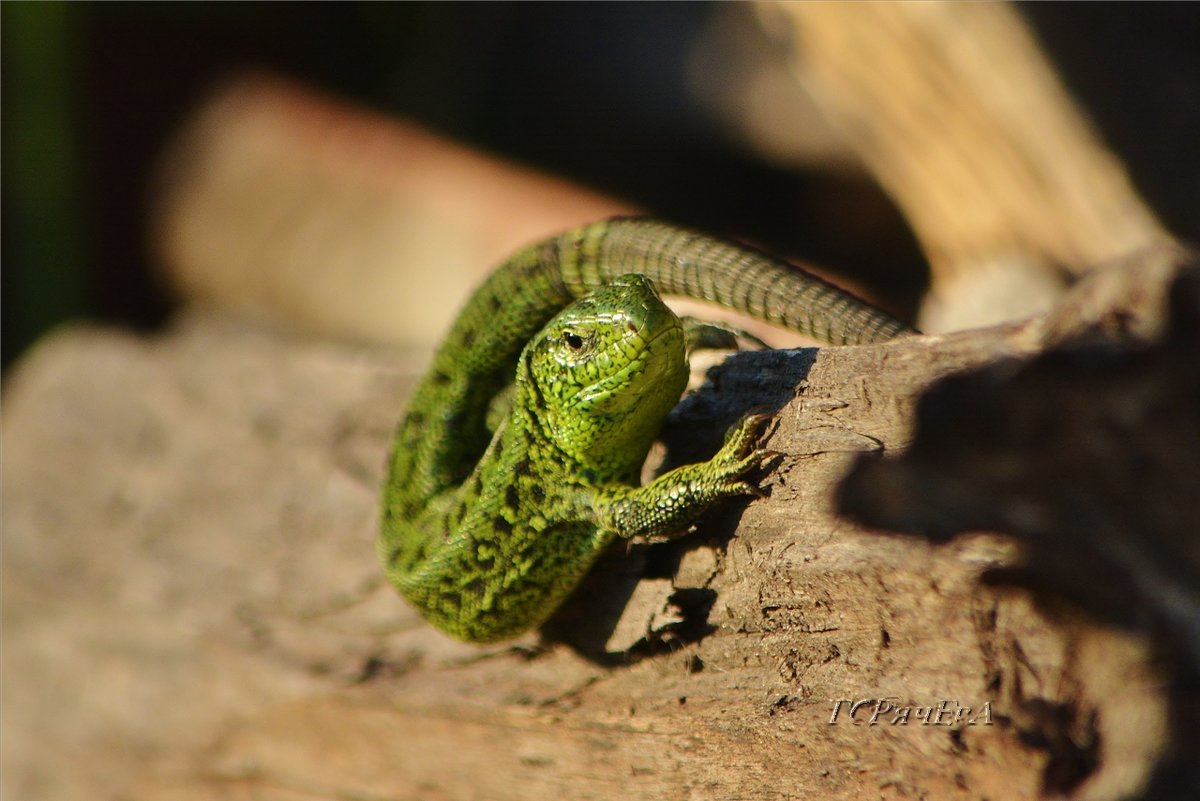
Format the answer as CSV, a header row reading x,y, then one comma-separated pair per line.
x,y
193,608
1087,456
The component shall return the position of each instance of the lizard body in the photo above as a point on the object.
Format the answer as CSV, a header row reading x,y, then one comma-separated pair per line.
x,y
485,533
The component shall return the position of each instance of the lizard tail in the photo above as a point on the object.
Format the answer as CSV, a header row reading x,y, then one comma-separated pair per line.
x,y
683,262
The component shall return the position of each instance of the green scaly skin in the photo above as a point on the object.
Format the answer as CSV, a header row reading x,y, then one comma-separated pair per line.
x,y
486,533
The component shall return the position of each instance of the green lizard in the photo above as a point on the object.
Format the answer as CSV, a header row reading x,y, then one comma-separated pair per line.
x,y
485,533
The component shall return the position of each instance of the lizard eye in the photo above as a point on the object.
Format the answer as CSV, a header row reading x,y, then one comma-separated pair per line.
x,y
573,340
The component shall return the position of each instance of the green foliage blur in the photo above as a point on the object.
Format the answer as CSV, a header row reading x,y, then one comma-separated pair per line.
x,y
42,258
90,93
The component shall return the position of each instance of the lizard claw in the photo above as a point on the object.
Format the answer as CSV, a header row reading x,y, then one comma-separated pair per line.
x,y
756,491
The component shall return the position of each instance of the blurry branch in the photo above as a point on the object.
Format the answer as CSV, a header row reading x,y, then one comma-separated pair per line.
x,y
955,111
322,216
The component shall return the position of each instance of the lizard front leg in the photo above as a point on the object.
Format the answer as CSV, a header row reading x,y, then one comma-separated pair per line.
x,y
711,335
669,503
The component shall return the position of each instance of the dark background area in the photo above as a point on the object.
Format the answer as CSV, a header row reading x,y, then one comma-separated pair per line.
x,y
595,92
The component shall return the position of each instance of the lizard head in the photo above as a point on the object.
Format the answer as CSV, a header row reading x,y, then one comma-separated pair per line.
x,y
607,370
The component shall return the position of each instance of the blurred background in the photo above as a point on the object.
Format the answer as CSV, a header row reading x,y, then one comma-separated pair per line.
x,y
603,94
